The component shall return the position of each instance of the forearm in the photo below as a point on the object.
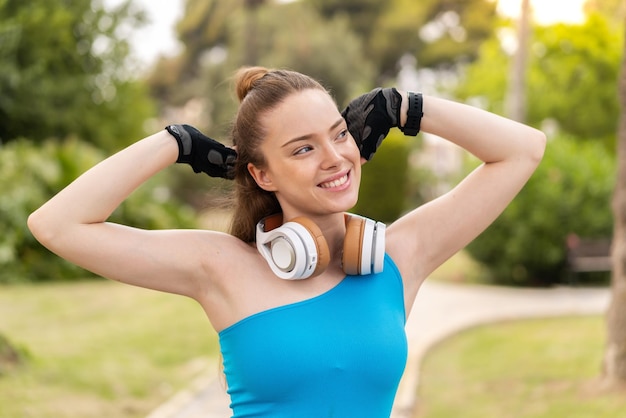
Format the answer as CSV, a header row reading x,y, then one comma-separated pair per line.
x,y
93,196
488,136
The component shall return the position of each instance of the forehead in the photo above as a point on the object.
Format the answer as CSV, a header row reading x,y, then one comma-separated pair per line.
x,y
302,113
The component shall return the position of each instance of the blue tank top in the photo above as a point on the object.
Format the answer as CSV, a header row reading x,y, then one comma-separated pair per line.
x,y
340,354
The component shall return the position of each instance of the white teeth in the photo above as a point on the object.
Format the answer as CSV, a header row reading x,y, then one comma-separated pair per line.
x,y
335,183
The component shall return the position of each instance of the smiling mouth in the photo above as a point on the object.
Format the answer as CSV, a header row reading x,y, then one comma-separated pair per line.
x,y
335,183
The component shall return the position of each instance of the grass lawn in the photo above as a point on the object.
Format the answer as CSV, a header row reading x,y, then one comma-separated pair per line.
x,y
460,268
99,349
527,369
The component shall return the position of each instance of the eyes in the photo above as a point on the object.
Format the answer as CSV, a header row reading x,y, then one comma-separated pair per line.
x,y
341,136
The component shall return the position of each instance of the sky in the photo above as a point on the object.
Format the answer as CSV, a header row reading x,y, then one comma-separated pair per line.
x,y
547,11
158,37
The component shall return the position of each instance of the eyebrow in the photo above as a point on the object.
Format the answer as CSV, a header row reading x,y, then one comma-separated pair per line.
x,y
307,136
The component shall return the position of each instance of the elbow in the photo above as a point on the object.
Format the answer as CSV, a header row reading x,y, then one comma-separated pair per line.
x,y
40,228
536,143
35,225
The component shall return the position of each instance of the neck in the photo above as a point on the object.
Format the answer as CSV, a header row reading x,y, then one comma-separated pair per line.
x,y
333,226
334,229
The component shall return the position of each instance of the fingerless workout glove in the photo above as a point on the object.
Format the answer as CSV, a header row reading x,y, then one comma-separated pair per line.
x,y
370,116
202,153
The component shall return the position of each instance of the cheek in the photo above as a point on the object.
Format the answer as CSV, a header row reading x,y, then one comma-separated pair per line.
x,y
288,174
352,149
357,173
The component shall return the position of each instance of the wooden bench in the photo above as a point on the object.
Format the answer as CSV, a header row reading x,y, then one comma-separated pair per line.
x,y
588,255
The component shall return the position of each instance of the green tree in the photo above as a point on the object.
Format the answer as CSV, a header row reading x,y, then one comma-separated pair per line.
x,y
363,13
294,36
581,62
571,80
205,25
63,72
287,36
439,33
613,10
384,184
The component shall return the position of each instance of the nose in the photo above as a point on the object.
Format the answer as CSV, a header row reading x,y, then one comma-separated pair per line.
x,y
331,155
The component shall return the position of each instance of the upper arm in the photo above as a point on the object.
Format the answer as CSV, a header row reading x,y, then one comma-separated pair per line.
x,y
423,239
184,262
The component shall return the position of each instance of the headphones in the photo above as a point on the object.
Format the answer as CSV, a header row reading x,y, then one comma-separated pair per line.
x,y
297,249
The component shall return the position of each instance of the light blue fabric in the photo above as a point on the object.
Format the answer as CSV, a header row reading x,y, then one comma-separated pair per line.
x,y
340,354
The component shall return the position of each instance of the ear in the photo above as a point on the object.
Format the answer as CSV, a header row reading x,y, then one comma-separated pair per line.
x,y
261,177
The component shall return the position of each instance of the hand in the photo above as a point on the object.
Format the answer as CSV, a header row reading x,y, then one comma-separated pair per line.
x,y
370,116
202,153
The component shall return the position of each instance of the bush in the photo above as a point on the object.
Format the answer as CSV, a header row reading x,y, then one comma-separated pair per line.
x,y
30,174
569,193
384,180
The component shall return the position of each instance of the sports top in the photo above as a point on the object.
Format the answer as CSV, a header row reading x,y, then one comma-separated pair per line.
x,y
339,354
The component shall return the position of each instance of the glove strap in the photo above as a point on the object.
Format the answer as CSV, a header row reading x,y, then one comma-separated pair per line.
x,y
414,115
183,138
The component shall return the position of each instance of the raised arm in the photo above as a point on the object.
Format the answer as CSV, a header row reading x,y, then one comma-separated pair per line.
x,y
423,239
510,152
73,223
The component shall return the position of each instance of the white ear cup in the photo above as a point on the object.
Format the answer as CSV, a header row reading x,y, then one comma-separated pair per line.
x,y
378,247
297,249
283,254
289,249
366,254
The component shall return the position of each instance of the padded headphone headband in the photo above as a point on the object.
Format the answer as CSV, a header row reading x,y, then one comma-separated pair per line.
x,y
297,249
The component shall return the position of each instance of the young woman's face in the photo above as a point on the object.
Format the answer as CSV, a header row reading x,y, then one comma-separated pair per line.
x,y
313,163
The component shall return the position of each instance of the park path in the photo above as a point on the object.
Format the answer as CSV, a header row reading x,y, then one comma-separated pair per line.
x,y
440,310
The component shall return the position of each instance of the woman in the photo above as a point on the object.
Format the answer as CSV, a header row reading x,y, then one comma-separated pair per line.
x,y
332,344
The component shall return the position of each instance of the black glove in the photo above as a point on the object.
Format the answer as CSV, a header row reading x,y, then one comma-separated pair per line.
x,y
202,153
370,116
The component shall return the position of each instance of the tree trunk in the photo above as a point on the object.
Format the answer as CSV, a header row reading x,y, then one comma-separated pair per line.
x,y
516,95
615,352
251,56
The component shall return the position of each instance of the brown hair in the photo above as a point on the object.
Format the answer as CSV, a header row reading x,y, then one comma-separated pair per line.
x,y
259,90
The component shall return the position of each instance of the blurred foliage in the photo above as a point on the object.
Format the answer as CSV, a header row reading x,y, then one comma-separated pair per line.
x,y
277,36
572,78
438,33
582,62
569,193
613,10
63,72
302,42
324,49
31,173
384,180
349,46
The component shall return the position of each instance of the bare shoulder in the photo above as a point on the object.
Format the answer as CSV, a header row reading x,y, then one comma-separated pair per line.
x,y
236,280
222,253
220,257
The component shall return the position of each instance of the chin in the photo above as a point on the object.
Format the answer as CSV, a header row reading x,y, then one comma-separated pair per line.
x,y
345,207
